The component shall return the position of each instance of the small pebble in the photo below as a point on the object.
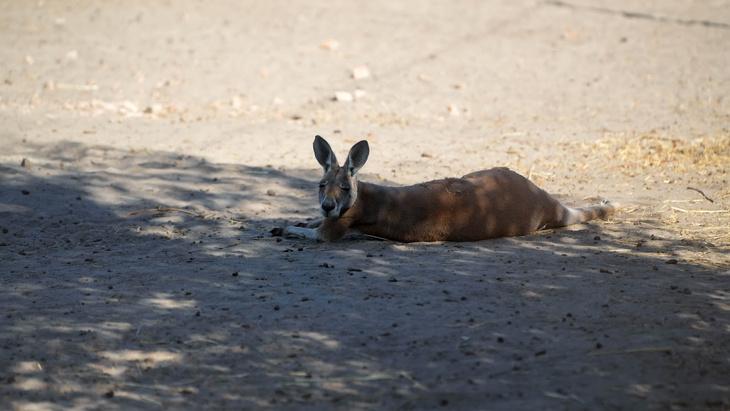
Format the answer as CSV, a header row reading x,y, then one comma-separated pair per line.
x,y
343,96
72,55
360,72
453,110
330,44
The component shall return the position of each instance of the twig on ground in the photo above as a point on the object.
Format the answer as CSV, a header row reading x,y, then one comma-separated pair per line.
x,y
682,201
682,210
702,193
633,350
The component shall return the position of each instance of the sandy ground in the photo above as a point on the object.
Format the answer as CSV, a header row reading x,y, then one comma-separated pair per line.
x,y
163,140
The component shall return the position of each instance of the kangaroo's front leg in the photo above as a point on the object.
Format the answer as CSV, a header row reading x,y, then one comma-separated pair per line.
x,y
328,230
302,232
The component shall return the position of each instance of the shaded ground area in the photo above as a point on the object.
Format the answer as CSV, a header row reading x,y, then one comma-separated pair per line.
x,y
146,150
111,302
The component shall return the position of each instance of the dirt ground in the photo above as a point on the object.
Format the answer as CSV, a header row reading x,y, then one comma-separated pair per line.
x,y
148,148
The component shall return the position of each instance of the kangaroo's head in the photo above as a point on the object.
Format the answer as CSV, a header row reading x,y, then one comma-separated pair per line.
x,y
338,187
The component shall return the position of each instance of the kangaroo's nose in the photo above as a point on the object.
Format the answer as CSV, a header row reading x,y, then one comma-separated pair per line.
x,y
328,206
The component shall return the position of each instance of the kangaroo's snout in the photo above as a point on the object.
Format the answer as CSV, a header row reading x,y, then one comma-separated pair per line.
x,y
327,206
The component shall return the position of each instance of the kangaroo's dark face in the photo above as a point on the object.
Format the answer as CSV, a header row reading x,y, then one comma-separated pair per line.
x,y
338,186
337,192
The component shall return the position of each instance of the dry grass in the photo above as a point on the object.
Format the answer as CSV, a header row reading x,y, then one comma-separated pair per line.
x,y
687,164
705,156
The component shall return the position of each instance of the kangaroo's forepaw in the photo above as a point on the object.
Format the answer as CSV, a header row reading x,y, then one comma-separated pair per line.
x,y
300,232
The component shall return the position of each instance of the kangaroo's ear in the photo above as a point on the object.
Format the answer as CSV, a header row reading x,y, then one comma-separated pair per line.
x,y
323,152
357,157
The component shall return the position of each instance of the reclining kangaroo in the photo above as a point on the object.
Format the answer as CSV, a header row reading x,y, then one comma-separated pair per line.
x,y
485,204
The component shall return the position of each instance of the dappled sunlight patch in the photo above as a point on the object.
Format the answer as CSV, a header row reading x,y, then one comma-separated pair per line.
x,y
24,289
404,247
340,387
701,325
554,287
569,240
320,339
27,367
61,329
35,406
348,377
720,295
115,326
475,251
129,395
722,306
166,301
166,230
148,357
531,294
106,330
220,369
67,386
641,390
562,396
115,371
14,208
29,384
206,339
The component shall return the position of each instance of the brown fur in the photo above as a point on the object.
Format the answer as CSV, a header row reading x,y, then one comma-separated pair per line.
x,y
485,204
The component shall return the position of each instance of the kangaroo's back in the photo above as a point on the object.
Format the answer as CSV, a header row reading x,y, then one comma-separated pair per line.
x,y
486,204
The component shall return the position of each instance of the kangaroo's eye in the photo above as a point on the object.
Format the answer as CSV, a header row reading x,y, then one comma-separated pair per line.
x,y
322,184
345,188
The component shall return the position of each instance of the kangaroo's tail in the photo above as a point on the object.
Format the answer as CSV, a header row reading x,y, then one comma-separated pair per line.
x,y
582,214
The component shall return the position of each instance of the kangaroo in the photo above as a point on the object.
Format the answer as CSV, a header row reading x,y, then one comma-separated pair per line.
x,y
485,204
